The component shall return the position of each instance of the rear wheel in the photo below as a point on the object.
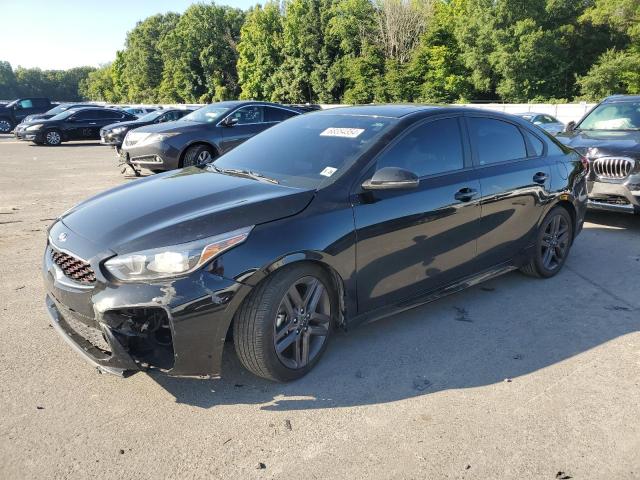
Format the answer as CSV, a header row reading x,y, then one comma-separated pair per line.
x,y
52,138
552,244
283,327
198,155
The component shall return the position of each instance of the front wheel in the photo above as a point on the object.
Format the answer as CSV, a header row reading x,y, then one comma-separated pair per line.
x,y
283,327
552,244
5,125
197,155
52,138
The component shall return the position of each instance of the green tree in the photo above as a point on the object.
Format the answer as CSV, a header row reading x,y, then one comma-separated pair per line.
x,y
260,51
99,85
615,72
8,82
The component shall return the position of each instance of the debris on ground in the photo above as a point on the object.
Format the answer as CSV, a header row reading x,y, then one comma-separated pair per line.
x,y
467,467
287,424
508,380
359,374
462,315
38,407
260,466
618,308
121,451
20,288
562,476
421,383
226,441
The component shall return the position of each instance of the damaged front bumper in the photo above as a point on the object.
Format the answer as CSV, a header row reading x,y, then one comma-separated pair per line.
x,y
177,326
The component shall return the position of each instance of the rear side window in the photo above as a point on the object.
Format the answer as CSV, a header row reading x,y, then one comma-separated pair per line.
x,y
249,115
495,141
276,114
83,115
432,148
106,114
536,143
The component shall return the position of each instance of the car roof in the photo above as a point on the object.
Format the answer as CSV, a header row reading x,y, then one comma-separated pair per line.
x,y
384,110
621,98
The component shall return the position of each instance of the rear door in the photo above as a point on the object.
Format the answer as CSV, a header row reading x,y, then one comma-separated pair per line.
x,y
417,240
102,118
250,122
78,125
515,182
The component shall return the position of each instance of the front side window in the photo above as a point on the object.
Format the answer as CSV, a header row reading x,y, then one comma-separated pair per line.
x,y
613,116
495,141
249,115
84,115
26,104
432,148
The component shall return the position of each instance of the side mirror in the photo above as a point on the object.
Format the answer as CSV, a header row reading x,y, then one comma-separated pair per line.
x,y
230,121
392,178
570,127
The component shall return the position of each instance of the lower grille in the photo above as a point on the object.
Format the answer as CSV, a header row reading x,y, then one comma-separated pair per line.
x,y
74,268
613,167
93,335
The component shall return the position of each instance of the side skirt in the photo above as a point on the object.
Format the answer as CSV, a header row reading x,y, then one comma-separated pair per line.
x,y
429,297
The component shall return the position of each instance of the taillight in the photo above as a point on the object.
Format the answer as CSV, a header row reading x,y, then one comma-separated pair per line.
x,y
585,164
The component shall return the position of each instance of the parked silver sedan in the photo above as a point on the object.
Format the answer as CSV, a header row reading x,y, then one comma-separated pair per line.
x,y
544,121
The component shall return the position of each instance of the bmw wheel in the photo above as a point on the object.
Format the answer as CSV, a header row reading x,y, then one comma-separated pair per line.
x,y
198,155
283,327
52,138
552,244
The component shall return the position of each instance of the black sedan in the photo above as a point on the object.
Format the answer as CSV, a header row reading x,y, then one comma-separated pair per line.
x,y
73,124
326,220
202,135
114,134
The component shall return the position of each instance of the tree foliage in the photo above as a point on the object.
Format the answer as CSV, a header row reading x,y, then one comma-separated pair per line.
x,y
361,51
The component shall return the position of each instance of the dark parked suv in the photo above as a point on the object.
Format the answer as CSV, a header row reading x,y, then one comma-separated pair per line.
x,y
73,124
202,135
14,112
609,136
326,220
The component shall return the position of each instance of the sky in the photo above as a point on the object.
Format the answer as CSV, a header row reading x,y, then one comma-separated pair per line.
x,y
60,34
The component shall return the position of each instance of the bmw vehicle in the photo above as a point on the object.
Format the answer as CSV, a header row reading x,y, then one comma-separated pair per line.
x,y
609,136
74,124
114,134
544,121
326,220
202,135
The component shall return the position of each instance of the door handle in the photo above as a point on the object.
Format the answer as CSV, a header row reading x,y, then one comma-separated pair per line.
x,y
465,194
540,177
92,123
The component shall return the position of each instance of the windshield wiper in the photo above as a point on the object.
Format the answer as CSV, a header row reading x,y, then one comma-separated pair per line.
x,y
246,174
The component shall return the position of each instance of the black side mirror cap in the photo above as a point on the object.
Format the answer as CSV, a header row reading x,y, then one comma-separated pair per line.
x,y
570,127
392,178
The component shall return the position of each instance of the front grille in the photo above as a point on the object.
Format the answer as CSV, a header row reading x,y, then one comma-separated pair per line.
x,y
74,268
93,335
613,167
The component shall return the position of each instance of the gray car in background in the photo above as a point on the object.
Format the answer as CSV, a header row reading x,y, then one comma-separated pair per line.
x,y
544,121
202,135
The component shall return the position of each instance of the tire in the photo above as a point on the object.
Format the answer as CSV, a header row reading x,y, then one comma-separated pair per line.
x,y
553,243
271,334
6,125
198,155
52,138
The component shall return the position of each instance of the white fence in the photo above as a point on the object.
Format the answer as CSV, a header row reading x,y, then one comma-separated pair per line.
x,y
564,112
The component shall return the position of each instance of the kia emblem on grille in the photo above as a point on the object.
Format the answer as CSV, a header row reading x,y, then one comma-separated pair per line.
x,y
62,237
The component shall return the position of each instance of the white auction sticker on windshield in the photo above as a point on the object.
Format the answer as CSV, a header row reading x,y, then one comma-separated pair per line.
x,y
342,132
328,171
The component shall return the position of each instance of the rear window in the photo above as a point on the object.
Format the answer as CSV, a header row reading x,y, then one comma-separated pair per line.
x,y
496,141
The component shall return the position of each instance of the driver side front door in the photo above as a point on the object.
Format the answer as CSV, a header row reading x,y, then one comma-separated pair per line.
x,y
417,240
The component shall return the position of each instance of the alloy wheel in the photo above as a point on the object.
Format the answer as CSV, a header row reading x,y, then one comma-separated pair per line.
x,y
5,126
204,157
302,323
555,242
53,138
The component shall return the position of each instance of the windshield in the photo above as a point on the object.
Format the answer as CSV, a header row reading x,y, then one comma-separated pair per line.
x,y
613,116
208,114
150,117
304,151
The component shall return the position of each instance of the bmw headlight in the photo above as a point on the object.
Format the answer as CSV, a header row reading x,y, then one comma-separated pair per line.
x,y
33,128
175,260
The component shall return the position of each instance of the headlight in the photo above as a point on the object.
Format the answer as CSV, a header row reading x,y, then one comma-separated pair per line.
x,y
118,129
157,137
173,261
34,127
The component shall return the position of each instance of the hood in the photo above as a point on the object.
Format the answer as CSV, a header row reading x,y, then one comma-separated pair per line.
x,y
37,116
597,143
178,207
180,126
128,124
